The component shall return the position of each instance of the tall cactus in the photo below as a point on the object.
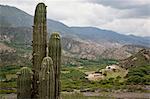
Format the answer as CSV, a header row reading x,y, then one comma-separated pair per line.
x,y
39,44
24,82
55,54
46,78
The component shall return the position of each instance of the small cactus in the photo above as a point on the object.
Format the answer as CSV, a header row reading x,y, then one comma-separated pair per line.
x,y
55,54
39,44
24,82
46,79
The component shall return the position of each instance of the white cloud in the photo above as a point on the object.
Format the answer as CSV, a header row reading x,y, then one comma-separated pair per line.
x,y
132,18
130,26
121,4
78,13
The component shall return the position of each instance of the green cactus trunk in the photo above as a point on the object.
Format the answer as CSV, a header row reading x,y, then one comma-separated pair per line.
x,y
44,82
55,54
39,44
46,78
24,83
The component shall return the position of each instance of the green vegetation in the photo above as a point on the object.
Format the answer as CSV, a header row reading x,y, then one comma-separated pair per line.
x,y
8,79
139,75
73,78
86,62
118,73
6,71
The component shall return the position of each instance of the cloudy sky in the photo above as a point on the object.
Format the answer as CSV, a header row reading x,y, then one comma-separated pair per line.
x,y
123,16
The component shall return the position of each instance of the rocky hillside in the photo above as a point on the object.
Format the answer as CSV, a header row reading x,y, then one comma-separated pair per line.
x,y
122,52
5,48
141,58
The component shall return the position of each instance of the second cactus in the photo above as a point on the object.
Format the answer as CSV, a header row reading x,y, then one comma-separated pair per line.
x,y
55,54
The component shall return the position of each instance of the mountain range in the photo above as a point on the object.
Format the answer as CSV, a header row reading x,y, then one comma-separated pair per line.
x,y
79,42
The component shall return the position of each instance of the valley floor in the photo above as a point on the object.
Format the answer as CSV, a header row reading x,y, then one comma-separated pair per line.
x,y
90,95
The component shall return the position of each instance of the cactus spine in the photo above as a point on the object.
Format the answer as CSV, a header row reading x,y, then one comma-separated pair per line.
x,y
24,83
55,54
46,78
39,44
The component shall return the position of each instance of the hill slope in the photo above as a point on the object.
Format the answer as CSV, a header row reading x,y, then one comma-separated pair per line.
x,y
141,58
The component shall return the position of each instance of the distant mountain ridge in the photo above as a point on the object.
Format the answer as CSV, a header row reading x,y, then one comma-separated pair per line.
x,y
14,17
99,35
81,42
